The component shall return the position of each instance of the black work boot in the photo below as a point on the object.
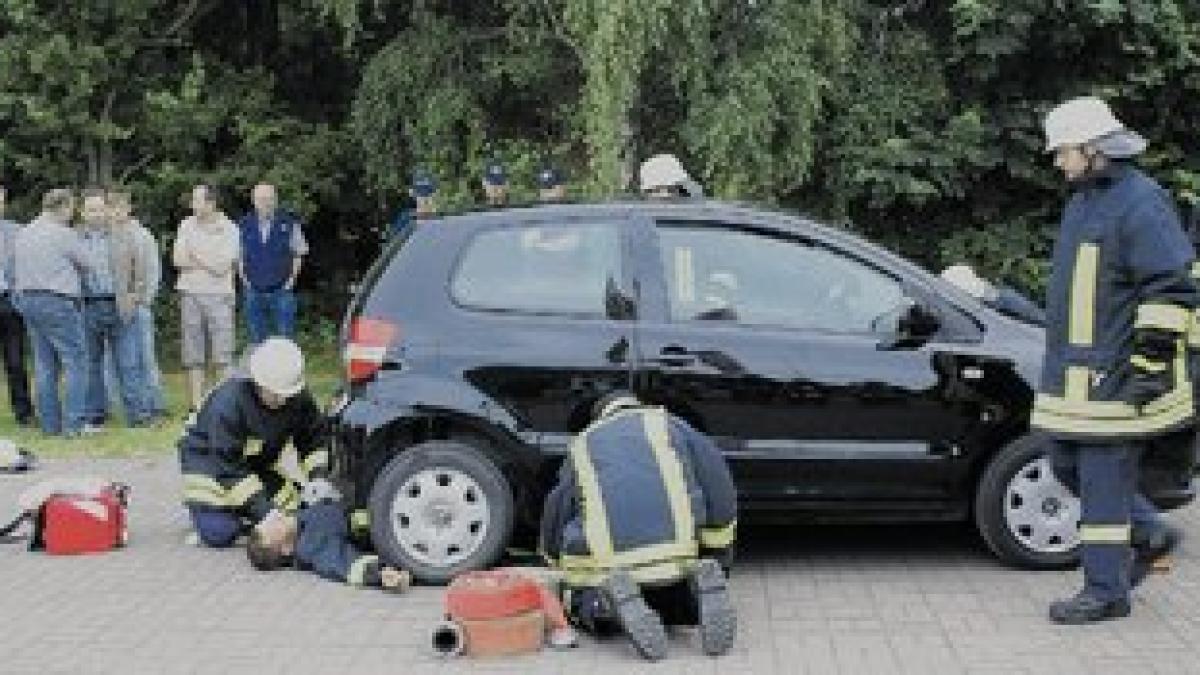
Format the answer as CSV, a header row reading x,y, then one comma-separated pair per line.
x,y
642,624
718,622
1148,551
1086,608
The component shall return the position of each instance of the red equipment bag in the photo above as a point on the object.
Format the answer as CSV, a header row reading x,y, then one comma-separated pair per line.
x,y
73,523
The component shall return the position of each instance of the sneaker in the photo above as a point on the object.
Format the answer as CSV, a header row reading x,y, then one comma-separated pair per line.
x,y
642,624
718,621
1149,554
85,430
1086,608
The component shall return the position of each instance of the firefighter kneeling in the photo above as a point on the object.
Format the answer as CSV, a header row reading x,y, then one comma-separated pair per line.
x,y
642,506
231,450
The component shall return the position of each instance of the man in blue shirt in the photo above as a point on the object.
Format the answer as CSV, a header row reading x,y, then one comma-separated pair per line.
x,y
110,290
273,249
419,205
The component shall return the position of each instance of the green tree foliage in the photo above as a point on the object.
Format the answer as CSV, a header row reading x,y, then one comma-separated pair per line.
x,y
914,122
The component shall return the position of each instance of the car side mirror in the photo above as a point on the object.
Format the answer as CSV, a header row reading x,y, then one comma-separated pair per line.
x,y
914,327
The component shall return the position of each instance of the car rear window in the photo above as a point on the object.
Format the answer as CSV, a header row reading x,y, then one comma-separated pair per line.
x,y
557,270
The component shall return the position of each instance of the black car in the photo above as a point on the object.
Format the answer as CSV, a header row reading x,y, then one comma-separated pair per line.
x,y
843,382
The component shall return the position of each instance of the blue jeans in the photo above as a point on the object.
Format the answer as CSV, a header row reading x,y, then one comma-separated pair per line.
x,y
153,397
270,313
55,327
105,329
143,320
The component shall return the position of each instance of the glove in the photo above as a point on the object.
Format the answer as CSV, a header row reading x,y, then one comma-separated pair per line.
x,y
319,490
1153,366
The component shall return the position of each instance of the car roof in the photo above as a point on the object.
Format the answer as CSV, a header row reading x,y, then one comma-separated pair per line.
x,y
700,209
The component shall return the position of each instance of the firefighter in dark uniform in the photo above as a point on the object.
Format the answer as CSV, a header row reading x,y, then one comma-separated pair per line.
x,y
1115,374
643,508
231,449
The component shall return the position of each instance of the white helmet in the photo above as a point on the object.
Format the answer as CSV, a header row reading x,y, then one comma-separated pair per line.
x,y
1078,121
964,277
277,365
662,171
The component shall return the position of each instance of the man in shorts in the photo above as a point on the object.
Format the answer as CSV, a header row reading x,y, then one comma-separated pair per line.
x,y
206,253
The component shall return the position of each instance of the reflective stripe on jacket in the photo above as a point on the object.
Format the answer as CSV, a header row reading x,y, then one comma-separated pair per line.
x,y
1121,263
640,491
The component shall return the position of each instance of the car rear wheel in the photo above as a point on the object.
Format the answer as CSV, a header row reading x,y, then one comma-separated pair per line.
x,y
1024,514
439,509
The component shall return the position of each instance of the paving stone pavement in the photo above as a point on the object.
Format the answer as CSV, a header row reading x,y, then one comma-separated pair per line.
x,y
899,599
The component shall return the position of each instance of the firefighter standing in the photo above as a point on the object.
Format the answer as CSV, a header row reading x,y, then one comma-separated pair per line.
x,y
642,501
1115,373
231,450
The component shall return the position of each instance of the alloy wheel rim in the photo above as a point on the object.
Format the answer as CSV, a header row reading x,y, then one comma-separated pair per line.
x,y
1041,513
440,516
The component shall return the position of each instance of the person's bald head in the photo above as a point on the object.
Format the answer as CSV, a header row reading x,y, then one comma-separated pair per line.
x,y
265,199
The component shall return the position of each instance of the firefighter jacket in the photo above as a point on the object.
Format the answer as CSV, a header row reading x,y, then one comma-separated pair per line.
x,y
231,450
639,491
323,546
1120,268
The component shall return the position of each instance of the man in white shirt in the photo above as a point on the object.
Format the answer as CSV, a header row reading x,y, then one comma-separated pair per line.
x,y
206,253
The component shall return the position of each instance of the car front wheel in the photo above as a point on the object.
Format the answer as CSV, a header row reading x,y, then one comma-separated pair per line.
x,y
439,509
1024,514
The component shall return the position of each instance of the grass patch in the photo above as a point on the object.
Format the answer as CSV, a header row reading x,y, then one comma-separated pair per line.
x,y
121,441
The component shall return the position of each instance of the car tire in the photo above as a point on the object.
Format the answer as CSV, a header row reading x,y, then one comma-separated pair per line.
x,y
439,509
1025,516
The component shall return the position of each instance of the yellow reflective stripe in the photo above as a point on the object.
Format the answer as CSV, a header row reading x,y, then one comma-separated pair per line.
x,y
1194,330
1095,418
1142,363
243,490
1104,534
206,490
718,537
671,470
1083,294
287,497
643,555
360,520
1164,317
670,570
201,489
595,517
358,569
254,446
1078,380
1196,269
315,460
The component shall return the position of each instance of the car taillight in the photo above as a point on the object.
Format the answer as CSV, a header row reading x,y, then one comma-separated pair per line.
x,y
366,346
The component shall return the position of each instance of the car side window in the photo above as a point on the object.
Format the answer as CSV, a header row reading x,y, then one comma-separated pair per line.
x,y
751,278
557,270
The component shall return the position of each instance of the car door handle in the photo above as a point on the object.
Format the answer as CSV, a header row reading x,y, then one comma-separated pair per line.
x,y
674,356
